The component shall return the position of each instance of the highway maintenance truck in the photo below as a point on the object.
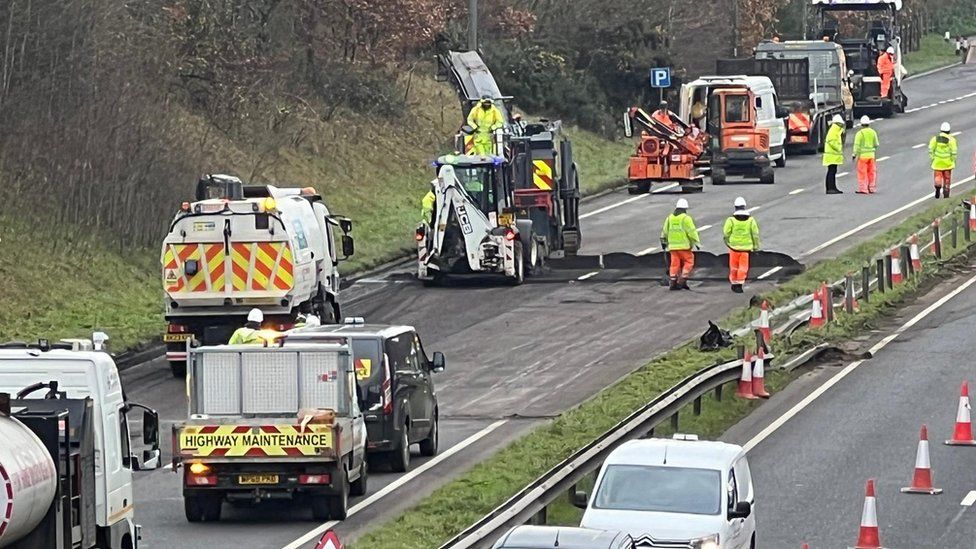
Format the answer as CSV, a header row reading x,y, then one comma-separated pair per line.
x,y
237,247
67,457
281,422
811,83
876,29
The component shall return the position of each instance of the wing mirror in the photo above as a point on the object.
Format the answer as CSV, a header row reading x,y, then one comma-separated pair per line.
x,y
438,364
628,125
348,246
150,460
742,510
580,499
150,428
782,112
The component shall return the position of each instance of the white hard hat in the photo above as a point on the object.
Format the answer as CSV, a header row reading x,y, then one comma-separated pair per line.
x,y
255,316
312,320
865,120
890,50
682,204
837,119
739,202
946,127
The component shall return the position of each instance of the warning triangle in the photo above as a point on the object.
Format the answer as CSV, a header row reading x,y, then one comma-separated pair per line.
x,y
329,541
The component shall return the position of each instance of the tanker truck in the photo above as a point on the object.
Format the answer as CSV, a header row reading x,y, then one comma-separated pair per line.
x,y
238,247
64,483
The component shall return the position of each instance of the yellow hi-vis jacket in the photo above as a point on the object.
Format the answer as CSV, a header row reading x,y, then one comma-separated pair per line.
x,y
679,232
485,121
866,143
943,149
427,206
742,233
834,146
246,336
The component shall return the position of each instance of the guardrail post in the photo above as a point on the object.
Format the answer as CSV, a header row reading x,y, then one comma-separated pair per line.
x,y
954,231
906,261
828,302
966,229
937,239
881,277
849,293
888,280
718,394
542,517
697,406
674,422
866,283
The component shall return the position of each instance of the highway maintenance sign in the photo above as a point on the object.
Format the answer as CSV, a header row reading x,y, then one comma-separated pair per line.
x,y
251,441
661,77
329,541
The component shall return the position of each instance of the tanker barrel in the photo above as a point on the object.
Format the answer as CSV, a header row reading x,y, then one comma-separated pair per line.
x,y
28,474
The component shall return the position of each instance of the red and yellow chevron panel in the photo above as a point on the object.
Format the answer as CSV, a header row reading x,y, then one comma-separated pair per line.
x,y
542,174
254,266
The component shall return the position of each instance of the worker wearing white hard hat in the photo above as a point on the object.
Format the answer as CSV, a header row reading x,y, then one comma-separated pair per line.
x,y
886,70
741,235
833,156
866,145
943,150
679,237
250,332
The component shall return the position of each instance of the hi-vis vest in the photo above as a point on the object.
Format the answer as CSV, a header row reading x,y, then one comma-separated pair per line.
x,y
943,149
866,143
742,235
680,232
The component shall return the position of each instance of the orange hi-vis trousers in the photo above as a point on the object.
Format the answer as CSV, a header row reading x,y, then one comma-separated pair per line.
x,y
867,175
738,266
943,178
682,263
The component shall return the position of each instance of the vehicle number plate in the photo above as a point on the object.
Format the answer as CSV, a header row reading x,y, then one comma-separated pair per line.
x,y
257,479
505,220
175,338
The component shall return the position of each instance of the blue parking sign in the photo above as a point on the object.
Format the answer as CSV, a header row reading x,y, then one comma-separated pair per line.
x,y
661,77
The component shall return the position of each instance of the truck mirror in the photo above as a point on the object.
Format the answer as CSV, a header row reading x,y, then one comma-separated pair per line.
x,y
580,499
150,428
628,127
348,246
150,461
782,112
439,363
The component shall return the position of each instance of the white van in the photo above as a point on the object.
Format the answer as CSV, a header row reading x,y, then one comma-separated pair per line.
x,y
675,493
82,372
767,108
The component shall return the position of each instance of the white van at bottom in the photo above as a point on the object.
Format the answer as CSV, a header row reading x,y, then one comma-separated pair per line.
x,y
675,493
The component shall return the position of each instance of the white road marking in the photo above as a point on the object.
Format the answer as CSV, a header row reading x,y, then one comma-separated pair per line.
x,y
883,158
168,466
842,174
393,486
667,187
770,273
705,227
800,406
876,220
588,275
919,146
970,499
797,191
953,134
650,250
753,209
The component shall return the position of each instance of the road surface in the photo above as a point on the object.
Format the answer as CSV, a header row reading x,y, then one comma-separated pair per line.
x,y
516,356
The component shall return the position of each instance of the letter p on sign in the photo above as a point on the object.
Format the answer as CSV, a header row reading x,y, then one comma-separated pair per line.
x,y
329,541
661,77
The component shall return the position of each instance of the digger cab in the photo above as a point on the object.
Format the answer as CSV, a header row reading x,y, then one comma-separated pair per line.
x,y
739,146
484,179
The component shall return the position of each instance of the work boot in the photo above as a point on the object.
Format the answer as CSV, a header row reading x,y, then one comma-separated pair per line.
x,y
737,288
834,191
938,192
945,191
683,284
674,285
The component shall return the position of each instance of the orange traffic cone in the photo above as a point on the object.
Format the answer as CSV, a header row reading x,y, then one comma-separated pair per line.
x,y
922,480
972,214
963,434
745,381
816,311
759,374
913,254
896,277
869,536
764,322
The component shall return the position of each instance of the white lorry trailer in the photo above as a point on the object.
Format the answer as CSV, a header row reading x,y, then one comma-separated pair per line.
x,y
81,419
239,247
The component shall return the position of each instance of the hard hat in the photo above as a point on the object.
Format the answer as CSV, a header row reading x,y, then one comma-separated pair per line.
x,y
739,202
300,318
865,120
255,316
890,50
313,320
837,119
682,204
946,127
663,104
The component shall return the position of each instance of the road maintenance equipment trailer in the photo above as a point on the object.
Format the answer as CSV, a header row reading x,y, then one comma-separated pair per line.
x,y
67,458
271,423
664,153
811,77
881,32
238,247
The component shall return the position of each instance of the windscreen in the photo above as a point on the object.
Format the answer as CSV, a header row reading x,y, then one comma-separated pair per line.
x,y
480,185
824,68
368,357
737,108
660,489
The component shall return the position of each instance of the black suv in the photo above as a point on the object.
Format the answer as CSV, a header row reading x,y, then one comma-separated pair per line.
x,y
395,385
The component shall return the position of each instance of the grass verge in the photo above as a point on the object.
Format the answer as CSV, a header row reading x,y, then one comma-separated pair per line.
x,y
463,501
933,53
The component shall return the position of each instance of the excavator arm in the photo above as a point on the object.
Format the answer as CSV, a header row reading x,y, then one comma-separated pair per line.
x,y
685,137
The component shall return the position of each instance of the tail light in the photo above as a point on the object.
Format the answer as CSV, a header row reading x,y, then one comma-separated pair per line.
x,y
315,479
387,389
177,329
509,235
200,474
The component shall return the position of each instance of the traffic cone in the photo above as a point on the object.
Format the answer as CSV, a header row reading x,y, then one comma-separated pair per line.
x,y
764,322
922,480
816,311
963,434
869,536
913,254
759,374
972,214
745,381
896,277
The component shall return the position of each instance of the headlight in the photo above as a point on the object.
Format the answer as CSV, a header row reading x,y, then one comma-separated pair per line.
x,y
708,542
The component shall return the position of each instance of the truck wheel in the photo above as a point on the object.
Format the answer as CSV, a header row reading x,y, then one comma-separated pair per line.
x,y
400,456
358,488
519,277
781,161
202,508
178,367
767,176
428,446
339,503
718,176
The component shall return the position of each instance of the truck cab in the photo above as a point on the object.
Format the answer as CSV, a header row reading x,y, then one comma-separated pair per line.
x,y
81,370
